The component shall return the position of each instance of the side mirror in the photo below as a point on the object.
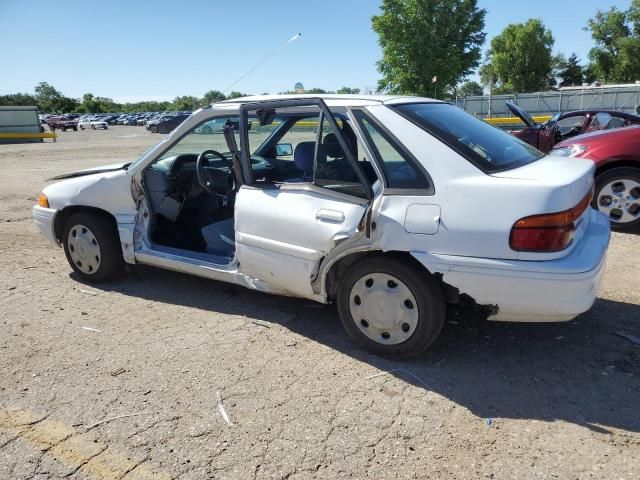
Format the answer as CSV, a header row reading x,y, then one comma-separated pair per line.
x,y
284,149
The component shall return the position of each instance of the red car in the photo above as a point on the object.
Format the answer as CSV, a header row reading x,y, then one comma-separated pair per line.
x,y
62,123
568,124
617,157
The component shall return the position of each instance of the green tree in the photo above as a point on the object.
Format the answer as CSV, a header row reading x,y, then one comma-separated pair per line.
x,y
470,88
18,99
234,94
616,55
213,96
570,71
520,58
186,102
316,91
423,40
348,91
89,105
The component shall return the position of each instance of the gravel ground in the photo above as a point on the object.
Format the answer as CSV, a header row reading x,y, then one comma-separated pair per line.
x,y
134,379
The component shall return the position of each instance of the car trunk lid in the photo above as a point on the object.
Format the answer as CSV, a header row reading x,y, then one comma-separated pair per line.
x,y
563,186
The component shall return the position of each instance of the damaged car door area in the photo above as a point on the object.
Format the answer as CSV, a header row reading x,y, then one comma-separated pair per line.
x,y
298,194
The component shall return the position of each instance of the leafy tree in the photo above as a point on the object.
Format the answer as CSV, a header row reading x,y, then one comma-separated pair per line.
x,y
186,102
348,90
18,99
423,40
213,96
570,71
470,88
520,57
51,100
234,94
316,91
615,57
89,105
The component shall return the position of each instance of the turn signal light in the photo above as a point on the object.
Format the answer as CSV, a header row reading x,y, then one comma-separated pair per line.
x,y
549,232
43,201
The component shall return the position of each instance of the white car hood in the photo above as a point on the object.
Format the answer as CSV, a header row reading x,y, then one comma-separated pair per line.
x,y
91,171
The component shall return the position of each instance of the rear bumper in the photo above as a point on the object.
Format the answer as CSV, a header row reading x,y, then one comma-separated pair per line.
x,y
44,219
532,291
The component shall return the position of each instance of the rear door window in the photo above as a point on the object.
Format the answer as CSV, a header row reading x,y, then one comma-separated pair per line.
x,y
399,169
487,147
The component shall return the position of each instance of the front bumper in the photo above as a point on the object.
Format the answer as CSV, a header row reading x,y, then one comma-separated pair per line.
x,y
532,291
44,219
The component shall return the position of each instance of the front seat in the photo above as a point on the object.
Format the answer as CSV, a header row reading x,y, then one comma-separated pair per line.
x,y
303,157
220,238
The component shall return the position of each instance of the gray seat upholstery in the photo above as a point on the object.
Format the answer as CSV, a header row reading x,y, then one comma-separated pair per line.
x,y
303,157
220,238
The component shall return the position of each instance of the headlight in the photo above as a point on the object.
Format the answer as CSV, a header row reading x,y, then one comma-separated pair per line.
x,y
43,201
572,151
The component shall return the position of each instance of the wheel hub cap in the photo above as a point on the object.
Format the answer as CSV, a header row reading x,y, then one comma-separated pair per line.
x,y
620,200
383,308
84,249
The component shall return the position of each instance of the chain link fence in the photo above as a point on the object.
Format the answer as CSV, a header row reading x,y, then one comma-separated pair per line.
x,y
548,103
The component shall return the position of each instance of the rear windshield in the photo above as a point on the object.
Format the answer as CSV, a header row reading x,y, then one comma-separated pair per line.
x,y
487,147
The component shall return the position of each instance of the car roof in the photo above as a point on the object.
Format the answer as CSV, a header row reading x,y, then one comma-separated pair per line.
x,y
338,99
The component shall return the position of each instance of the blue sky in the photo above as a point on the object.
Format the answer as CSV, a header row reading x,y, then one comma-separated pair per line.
x,y
134,50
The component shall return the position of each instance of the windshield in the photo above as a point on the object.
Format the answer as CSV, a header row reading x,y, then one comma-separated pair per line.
x,y
487,147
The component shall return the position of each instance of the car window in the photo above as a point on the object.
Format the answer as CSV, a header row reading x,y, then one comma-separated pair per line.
x,y
399,169
302,130
616,122
487,147
568,123
197,140
333,169
599,122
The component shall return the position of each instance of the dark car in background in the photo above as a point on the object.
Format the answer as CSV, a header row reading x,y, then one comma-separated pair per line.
x,y
616,154
167,125
62,122
568,124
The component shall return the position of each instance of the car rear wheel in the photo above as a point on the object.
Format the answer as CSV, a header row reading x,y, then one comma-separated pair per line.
x,y
93,127
617,195
92,247
207,130
390,308
153,129
81,127
75,129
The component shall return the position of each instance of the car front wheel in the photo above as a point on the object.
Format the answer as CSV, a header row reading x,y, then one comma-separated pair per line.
x,y
617,195
391,308
92,246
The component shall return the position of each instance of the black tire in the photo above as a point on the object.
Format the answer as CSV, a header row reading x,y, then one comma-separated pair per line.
x,y
606,178
81,127
426,291
64,129
108,242
93,127
153,129
75,129
207,130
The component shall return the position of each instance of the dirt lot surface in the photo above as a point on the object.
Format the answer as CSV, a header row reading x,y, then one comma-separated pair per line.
x,y
131,380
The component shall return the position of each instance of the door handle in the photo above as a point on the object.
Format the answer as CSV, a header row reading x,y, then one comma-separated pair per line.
x,y
333,216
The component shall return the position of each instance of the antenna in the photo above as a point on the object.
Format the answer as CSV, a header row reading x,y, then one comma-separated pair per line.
x,y
272,54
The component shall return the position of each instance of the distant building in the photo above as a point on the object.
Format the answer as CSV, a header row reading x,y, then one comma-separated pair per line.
x,y
298,88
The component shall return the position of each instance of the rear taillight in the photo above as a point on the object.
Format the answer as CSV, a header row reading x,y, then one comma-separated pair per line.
x,y
549,232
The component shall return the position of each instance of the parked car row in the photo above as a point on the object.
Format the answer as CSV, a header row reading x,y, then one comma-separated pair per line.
x,y
156,122
611,139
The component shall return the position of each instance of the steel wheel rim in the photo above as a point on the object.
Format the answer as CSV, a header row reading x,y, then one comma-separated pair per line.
x,y
383,308
84,249
620,200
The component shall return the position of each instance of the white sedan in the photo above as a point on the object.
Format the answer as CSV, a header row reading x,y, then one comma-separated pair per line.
x,y
92,124
390,207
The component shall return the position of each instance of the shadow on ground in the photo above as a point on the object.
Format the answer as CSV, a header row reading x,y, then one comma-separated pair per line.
x,y
579,372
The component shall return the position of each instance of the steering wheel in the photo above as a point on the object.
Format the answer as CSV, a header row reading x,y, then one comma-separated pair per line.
x,y
214,180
